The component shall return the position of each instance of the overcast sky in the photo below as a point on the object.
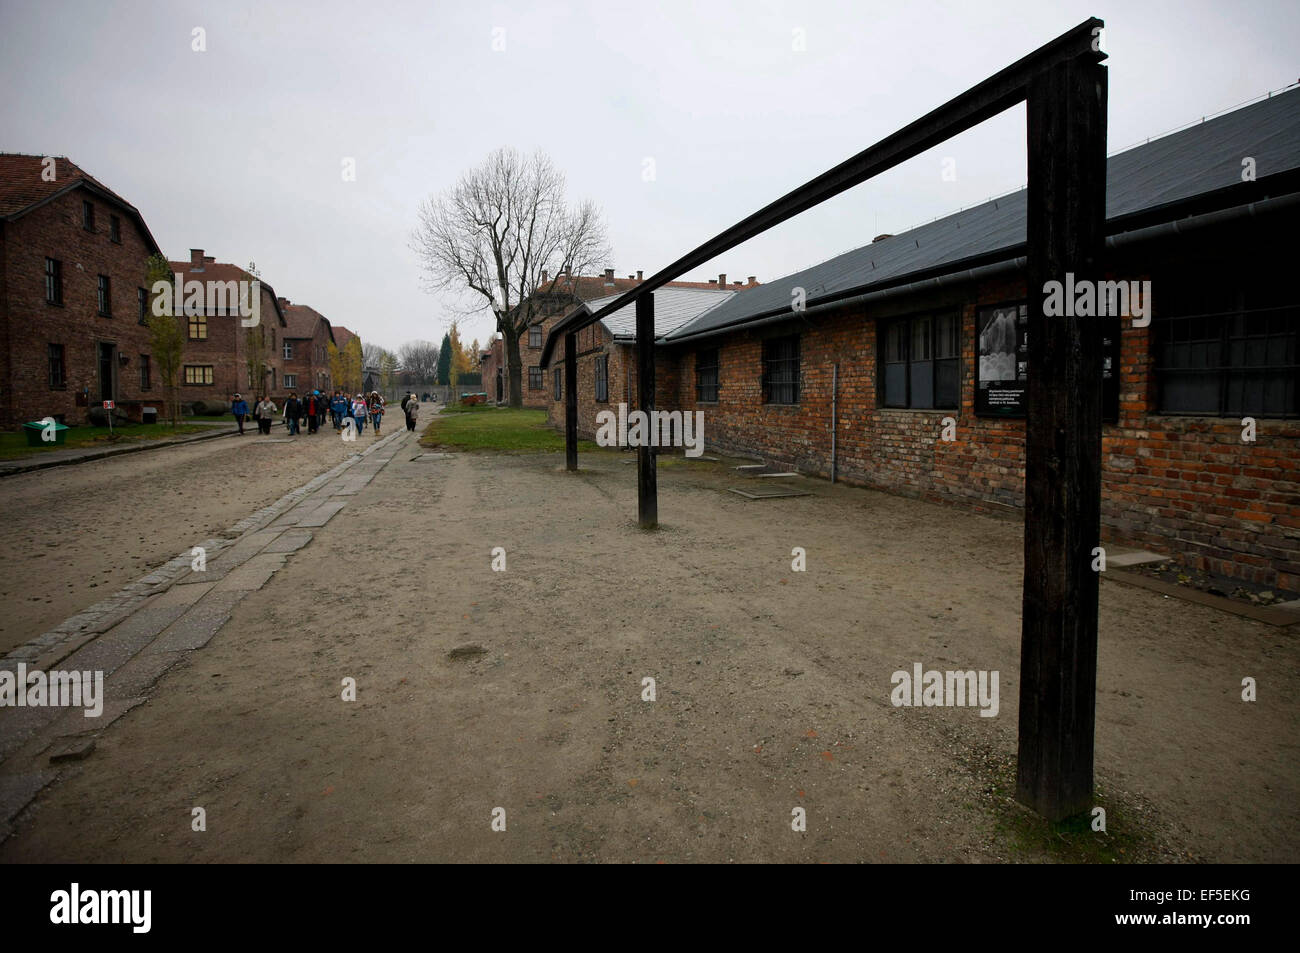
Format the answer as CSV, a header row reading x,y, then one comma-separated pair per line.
x,y
239,149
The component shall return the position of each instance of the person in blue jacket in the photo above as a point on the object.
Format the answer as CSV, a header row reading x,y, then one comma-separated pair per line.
x,y
239,407
338,409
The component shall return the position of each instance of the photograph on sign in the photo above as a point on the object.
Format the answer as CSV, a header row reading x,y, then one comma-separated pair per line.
x,y
1001,333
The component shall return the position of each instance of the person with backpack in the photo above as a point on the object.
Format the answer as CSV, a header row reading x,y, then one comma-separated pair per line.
x,y
239,407
412,411
264,413
292,412
376,404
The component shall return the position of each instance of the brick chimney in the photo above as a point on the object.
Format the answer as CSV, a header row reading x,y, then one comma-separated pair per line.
x,y
545,276
284,302
753,280
713,281
609,276
196,259
722,281
638,274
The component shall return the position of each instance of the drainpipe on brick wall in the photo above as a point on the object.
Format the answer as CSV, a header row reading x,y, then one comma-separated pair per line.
x,y
835,417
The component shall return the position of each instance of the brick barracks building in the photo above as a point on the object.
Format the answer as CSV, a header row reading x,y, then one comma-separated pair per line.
x,y
557,300
305,350
73,303
920,330
72,297
607,352
215,359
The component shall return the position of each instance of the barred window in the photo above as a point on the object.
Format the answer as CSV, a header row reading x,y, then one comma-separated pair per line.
x,y
198,373
145,378
115,229
535,335
290,380
602,377
557,376
535,378
781,370
88,216
1228,351
921,358
53,281
706,376
142,302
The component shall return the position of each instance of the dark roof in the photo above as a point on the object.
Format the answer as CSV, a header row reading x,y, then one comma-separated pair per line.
x,y
300,320
23,187
1206,158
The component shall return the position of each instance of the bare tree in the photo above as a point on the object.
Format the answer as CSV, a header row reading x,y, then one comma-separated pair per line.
x,y
495,234
372,355
420,359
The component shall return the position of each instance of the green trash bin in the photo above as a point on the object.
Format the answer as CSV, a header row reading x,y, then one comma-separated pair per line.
x,y
35,431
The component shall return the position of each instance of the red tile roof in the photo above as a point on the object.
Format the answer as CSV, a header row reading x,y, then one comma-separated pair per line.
x,y
214,270
300,320
341,336
23,186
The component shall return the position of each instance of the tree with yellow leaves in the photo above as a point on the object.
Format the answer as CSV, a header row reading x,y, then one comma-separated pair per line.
x,y
345,365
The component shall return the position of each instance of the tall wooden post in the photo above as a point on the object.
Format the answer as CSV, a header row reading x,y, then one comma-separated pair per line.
x,y
1066,127
570,401
647,495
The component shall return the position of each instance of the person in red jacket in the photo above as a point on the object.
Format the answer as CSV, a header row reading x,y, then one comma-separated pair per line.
x,y
313,412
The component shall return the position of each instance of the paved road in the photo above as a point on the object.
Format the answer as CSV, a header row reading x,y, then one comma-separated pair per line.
x,y
74,535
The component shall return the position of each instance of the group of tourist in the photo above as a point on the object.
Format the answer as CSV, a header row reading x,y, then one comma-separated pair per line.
x,y
312,409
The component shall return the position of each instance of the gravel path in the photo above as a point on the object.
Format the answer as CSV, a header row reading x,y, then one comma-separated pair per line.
x,y
773,691
74,535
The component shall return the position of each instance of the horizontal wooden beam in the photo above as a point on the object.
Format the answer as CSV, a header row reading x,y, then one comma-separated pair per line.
x,y
1002,90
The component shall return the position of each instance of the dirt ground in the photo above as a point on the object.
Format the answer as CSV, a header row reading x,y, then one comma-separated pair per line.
x,y
773,692
75,535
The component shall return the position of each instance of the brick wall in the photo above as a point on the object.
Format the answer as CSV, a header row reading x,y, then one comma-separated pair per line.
x,y
226,350
1185,487
30,324
594,342
310,362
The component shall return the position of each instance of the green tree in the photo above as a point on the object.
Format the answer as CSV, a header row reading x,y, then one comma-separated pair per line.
x,y
444,360
166,337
